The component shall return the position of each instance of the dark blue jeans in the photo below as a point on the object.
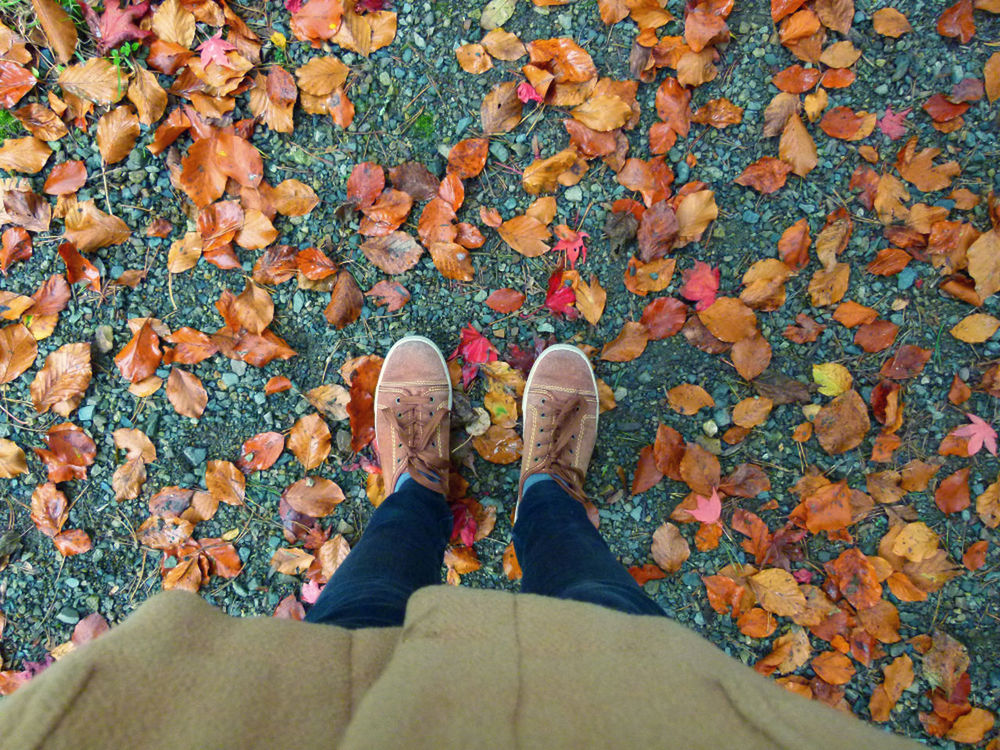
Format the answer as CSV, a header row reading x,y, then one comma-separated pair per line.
x,y
560,552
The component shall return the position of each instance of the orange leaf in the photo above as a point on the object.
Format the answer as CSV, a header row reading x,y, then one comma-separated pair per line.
x,y
65,178
313,496
843,423
647,474
796,79
729,319
855,578
689,399
833,667
952,495
663,317
467,158
766,175
261,451
757,623
629,344
975,556
956,21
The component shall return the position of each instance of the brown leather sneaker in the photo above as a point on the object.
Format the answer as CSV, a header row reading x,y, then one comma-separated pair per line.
x,y
412,410
560,408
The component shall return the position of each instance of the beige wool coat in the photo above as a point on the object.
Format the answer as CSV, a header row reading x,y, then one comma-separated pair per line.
x,y
468,669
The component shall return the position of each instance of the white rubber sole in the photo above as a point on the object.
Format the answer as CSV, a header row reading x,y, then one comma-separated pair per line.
x,y
424,339
534,369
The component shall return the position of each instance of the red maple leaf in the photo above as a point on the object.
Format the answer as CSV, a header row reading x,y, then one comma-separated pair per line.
x,y
368,6
979,433
475,349
311,591
523,359
115,25
528,93
560,298
571,243
892,123
293,6
701,284
709,508
214,49
464,526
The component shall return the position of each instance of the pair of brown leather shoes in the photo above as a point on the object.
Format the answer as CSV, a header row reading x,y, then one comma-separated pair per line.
x,y
413,404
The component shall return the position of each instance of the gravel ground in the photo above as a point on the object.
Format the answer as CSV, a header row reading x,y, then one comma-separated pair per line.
x,y
413,102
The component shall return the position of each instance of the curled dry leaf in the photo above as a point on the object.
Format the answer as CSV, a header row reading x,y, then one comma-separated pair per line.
x,y
346,301
128,479
18,351
225,482
17,246
141,355
975,328
729,319
70,451
24,154
62,381
291,561
48,509
89,228
135,443
117,132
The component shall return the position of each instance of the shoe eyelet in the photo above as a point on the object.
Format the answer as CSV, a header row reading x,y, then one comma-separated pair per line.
x,y
399,415
397,399
543,400
432,399
572,437
543,413
538,445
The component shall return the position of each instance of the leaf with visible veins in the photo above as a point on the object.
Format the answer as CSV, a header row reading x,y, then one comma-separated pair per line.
x,y
979,433
701,284
708,509
115,25
214,49
892,123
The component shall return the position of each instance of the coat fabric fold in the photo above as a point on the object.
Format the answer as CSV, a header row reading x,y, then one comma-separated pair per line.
x,y
468,668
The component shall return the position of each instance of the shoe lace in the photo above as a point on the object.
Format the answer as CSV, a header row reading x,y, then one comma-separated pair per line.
x,y
558,416
415,428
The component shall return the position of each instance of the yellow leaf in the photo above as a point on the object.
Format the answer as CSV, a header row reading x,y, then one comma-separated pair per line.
x,y
832,379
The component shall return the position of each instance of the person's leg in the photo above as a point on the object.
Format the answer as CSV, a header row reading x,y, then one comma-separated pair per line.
x,y
560,552
403,547
563,555
400,551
